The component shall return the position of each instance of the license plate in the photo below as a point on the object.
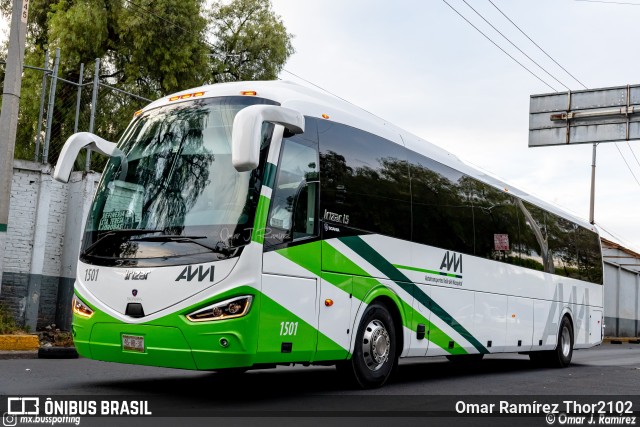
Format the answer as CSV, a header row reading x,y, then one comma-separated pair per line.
x,y
133,343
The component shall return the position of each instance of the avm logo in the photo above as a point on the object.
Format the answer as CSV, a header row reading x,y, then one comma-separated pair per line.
x,y
451,260
190,273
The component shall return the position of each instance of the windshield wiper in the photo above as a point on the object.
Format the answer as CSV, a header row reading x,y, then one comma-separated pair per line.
x,y
120,233
220,247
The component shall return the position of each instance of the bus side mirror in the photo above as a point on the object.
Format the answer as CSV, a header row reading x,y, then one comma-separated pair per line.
x,y
247,132
72,147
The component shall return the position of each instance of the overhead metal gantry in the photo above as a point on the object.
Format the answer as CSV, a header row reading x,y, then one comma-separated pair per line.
x,y
591,116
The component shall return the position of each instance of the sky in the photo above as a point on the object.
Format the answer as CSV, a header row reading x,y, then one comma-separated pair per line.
x,y
419,65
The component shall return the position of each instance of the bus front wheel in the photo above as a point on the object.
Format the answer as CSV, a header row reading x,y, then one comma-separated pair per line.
x,y
375,352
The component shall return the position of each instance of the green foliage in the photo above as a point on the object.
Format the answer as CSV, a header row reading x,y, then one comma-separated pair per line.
x,y
7,323
147,47
251,42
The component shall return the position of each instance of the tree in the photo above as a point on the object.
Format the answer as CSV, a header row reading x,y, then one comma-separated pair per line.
x,y
251,42
147,47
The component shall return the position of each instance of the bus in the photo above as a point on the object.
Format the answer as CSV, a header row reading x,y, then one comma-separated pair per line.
x,y
253,224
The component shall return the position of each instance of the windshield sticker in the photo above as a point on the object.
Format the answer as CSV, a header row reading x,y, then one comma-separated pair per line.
x,y
117,220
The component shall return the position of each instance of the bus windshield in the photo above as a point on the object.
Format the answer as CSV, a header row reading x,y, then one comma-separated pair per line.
x,y
172,196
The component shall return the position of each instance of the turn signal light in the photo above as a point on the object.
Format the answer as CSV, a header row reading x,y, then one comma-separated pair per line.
x,y
80,308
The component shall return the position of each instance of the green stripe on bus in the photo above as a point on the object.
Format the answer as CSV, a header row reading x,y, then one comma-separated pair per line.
x,y
269,175
422,270
3,228
304,256
307,340
374,258
261,220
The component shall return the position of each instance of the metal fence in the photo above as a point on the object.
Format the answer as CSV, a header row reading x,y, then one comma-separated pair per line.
x,y
53,108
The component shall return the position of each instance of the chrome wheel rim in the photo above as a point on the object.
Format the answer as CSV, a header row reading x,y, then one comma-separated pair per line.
x,y
566,341
376,345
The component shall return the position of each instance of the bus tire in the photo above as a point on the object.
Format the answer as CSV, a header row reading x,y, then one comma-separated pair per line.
x,y
375,350
561,356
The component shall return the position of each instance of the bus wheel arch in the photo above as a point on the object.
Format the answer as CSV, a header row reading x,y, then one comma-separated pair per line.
x,y
561,356
394,311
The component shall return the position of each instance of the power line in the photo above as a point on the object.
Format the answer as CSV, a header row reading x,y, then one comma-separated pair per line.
x,y
319,87
488,38
514,45
626,243
213,47
339,97
596,1
611,2
633,152
626,163
499,47
536,44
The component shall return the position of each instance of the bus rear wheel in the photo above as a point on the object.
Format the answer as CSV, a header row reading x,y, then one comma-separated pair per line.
x,y
561,356
375,353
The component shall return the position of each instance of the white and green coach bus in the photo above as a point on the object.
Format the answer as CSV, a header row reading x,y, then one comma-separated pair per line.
x,y
248,225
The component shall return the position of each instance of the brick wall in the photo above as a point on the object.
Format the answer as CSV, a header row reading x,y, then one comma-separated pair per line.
x,y
33,272
22,214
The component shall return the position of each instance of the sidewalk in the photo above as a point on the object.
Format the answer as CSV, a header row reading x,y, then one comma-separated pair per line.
x,y
27,346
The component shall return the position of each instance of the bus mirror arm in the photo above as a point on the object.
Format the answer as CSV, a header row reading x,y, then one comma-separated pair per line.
x,y
72,147
247,132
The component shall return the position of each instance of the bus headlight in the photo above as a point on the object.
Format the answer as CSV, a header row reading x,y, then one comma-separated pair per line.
x,y
80,308
228,309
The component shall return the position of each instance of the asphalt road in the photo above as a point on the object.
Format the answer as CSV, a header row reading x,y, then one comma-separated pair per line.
x,y
420,392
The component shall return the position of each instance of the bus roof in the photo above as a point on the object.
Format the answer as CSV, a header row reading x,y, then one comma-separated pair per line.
x,y
313,103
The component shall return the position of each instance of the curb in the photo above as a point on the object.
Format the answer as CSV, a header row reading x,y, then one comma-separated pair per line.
x,y
57,353
620,340
17,354
19,342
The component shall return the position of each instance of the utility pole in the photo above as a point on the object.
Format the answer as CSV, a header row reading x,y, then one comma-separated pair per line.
x,y
9,113
592,199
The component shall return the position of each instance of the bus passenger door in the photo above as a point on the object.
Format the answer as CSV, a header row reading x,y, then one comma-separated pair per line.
x,y
288,329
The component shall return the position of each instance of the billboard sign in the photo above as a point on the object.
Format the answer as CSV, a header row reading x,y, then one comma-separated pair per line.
x,y
585,117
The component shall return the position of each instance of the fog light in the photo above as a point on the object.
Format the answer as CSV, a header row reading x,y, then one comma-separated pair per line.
x,y
224,343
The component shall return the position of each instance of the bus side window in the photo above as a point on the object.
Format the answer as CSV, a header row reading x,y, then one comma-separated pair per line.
x,y
293,209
